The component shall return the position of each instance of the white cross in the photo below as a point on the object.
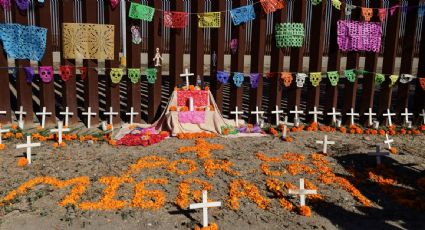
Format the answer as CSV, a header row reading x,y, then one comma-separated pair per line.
x,y
21,113
257,113
28,146
1,133
186,75
236,113
67,114
388,141
325,143
285,123
302,192
131,114
315,112
277,112
389,114
378,154
111,115
296,112
406,115
423,116
352,114
370,114
205,205
333,114
43,116
60,131
89,114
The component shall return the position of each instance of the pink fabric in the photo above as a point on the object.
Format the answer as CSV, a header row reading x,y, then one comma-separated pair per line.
x,y
359,36
193,117
200,98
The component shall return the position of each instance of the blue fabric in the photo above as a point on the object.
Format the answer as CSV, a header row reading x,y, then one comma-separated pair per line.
x,y
23,42
223,77
242,14
238,79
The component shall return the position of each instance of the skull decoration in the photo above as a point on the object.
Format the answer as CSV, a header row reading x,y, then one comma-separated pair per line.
x,y
135,33
222,77
46,73
348,9
65,72
29,74
151,75
382,14
422,83
315,78
116,75
286,78
300,79
333,77
379,78
254,78
367,13
23,4
234,45
133,75
238,79
83,72
406,78
393,79
114,3
350,75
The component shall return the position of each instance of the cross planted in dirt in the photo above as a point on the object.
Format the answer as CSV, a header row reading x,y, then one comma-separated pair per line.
x,y
302,192
205,205
378,154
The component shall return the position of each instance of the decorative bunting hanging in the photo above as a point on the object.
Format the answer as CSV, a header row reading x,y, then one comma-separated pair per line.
x,y
46,73
359,36
379,78
65,72
393,8
422,83
134,75
270,6
382,14
406,78
29,74
83,72
5,4
135,35
173,19
209,20
336,4
223,77
114,3
116,75
315,78
348,9
333,77
300,79
242,14
367,13
151,75
234,45
393,79
315,2
238,79
142,12
23,4
254,78
350,75
286,77
289,34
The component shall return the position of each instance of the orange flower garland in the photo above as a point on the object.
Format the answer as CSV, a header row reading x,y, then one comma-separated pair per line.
x,y
156,198
248,190
184,192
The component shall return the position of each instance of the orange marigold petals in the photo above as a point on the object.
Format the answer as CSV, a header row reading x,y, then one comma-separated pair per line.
x,y
212,226
149,199
22,162
294,169
304,211
146,162
2,146
211,166
242,188
191,166
202,148
184,192
263,157
293,157
196,135
393,150
276,187
266,170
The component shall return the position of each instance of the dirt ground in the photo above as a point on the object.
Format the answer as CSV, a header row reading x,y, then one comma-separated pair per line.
x,y
39,209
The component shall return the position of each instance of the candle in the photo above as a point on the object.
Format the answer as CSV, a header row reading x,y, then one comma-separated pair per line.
x,y
191,104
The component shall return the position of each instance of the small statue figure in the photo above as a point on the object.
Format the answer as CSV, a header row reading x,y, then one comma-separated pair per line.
x,y
157,59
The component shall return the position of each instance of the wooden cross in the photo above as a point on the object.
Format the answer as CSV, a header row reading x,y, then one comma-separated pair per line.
x,y
315,112
205,205
325,144
277,112
89,114
1,133
285,123
60,131
186,75
28,146
302,192
333,114
352,114
378,154
111,115
388,141
43,116
236,113
370,114
67,114
257,113
389,114
296,118
423,116
132,114
406,115
21,113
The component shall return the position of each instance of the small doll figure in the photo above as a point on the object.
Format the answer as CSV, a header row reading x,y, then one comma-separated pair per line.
x,y
157,59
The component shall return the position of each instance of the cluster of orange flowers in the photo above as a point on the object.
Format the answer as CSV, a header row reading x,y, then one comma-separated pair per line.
x,y
41,137
172,167
293,157
61,145
304,211
2,146
149,199
196,135
297,129
202,148
274,132
265,158
294,169
147,162
212,226
242,188
22,162
288,139
276,187
312,127
184,192
211,166
266,170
